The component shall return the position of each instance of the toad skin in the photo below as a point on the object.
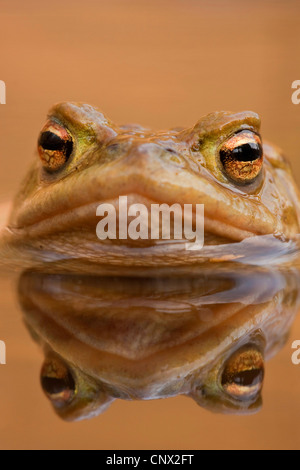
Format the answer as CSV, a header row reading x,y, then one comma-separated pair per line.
x,y
247,187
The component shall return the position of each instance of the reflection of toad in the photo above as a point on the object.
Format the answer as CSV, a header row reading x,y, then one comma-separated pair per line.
x,y
205,337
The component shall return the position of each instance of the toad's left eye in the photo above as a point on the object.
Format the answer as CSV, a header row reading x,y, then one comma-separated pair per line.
x,y
55,146
243,373
242,157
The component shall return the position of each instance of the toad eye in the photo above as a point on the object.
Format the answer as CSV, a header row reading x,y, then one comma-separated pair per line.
x,y
243,374
55,146
242,157
57,382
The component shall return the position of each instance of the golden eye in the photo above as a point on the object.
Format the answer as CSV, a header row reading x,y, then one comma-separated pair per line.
x,y
242,157
57,382
55,146
243,373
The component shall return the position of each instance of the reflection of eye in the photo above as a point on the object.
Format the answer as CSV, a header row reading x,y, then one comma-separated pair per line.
x,y
242,157
243,373
57,381
55,146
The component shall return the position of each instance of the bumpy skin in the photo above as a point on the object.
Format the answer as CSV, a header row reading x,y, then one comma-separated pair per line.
x,y
53,216
156,338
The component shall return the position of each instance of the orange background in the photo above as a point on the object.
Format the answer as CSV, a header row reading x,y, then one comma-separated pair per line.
x,y
163,64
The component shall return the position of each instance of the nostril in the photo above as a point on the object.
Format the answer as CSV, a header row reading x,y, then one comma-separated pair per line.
x,y
113,147
117,149
170,150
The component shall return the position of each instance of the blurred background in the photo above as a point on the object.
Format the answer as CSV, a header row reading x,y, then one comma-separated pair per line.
x,y
159,63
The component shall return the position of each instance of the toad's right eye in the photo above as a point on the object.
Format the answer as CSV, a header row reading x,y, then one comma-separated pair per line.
x,y
243,374
55,146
